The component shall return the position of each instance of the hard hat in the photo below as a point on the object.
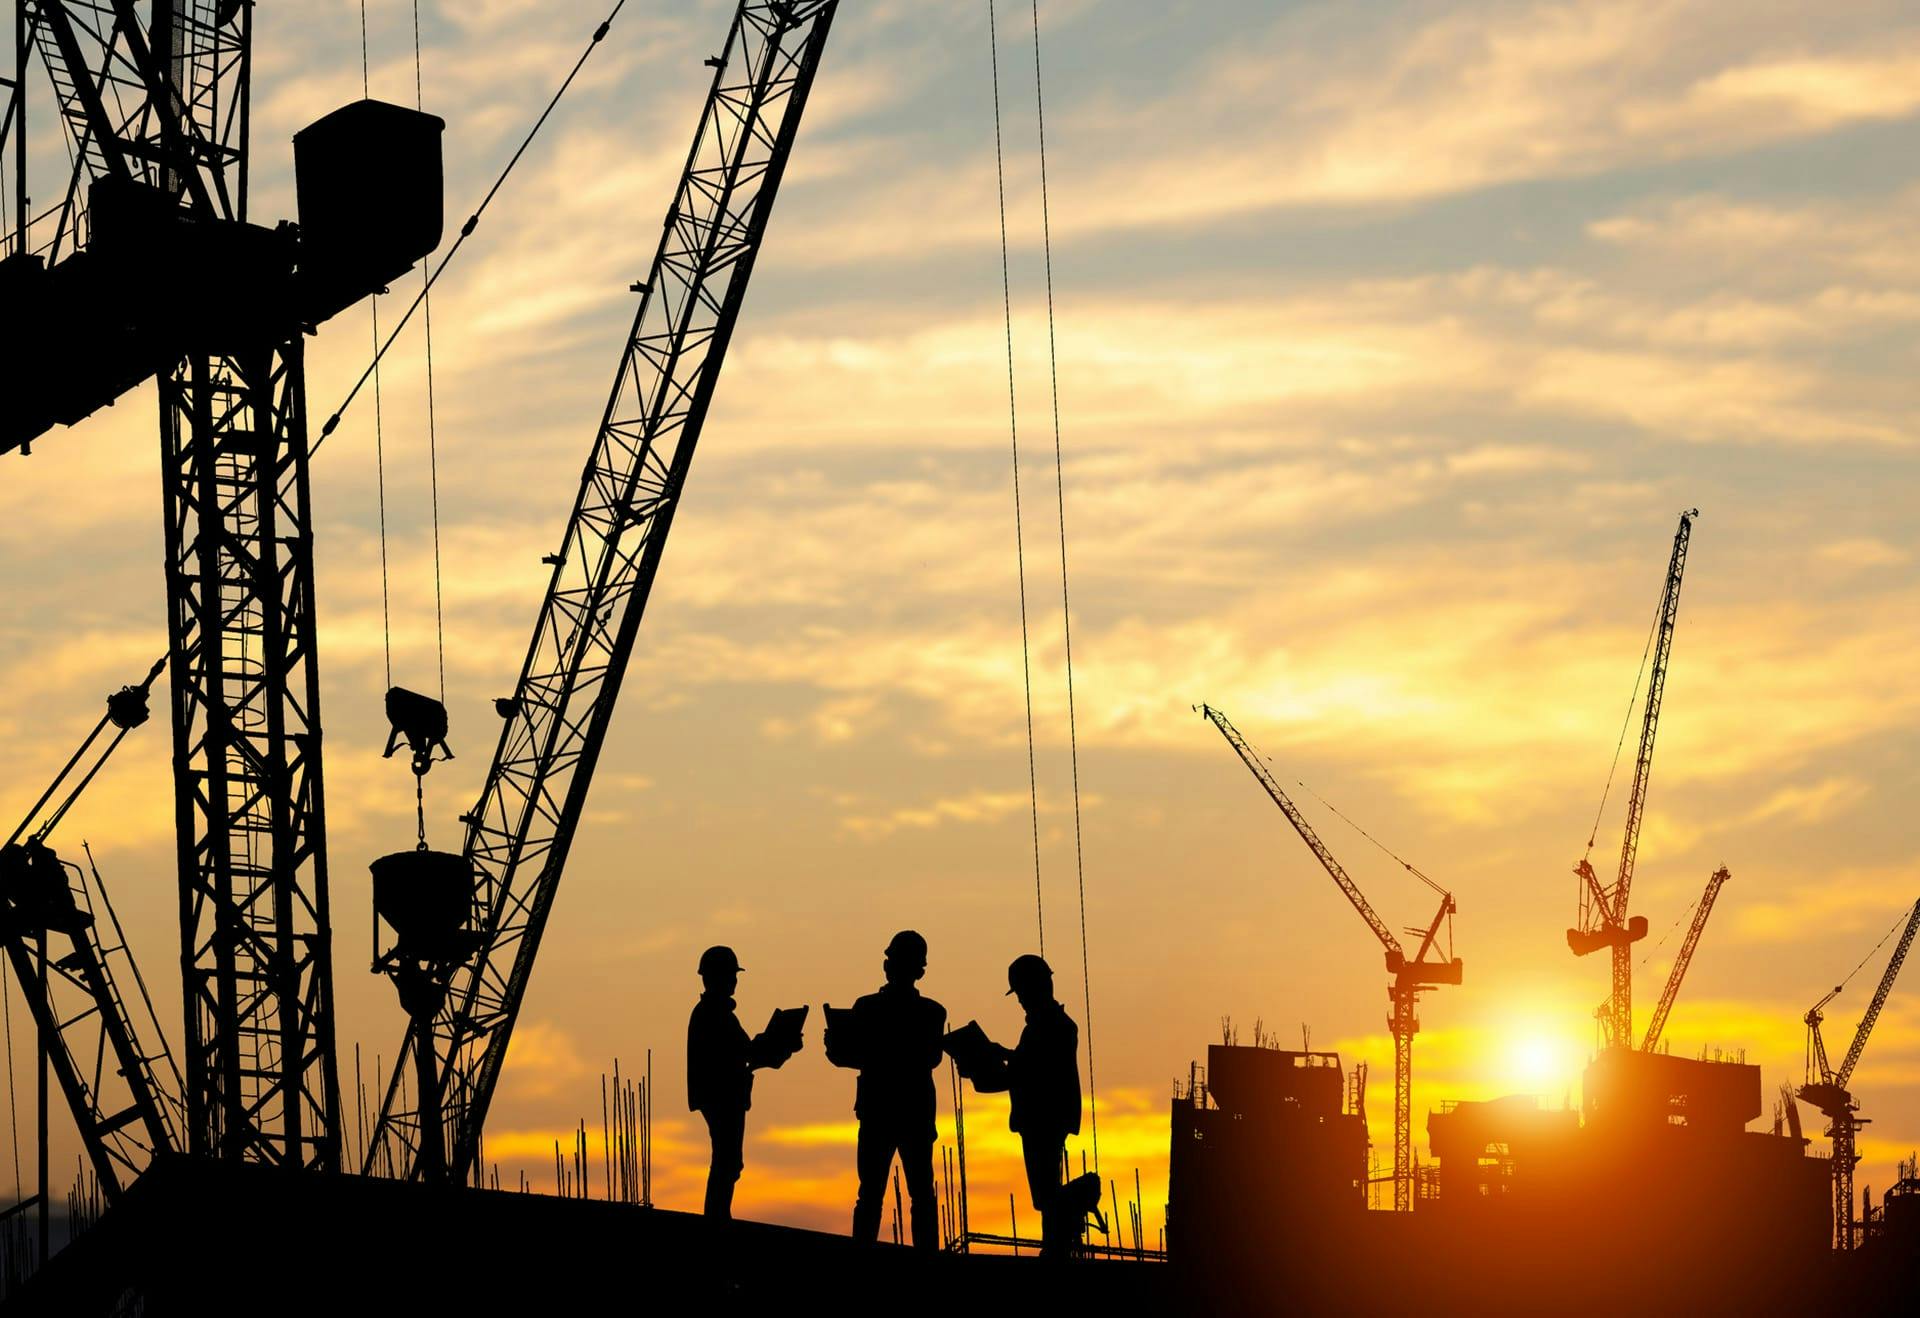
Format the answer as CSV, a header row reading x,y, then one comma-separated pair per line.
x,y
908,946
719,961
1028,969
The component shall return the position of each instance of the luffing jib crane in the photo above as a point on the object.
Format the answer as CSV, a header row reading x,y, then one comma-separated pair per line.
x,y
1826,1087
1604,921
147,267
1683,959
519,833
1411,976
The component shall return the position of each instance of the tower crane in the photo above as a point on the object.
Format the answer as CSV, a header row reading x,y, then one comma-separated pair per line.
x,y
1411,976
519,833
1604,921
1826,1087
120,1107
1683,959
148,267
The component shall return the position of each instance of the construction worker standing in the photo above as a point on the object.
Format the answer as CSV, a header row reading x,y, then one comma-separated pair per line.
x,y
896,1045
1042,1080
721,1060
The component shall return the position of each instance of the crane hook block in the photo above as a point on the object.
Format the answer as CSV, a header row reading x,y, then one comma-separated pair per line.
x,y
422,722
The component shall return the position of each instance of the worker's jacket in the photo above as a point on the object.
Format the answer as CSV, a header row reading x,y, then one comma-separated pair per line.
x,y
719,1058
1043,1075
897,1048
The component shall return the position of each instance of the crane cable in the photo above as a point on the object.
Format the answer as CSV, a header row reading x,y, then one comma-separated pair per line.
x,y
433,440
1683,918
1066,602
1899,920
379,439
1013,426
472,222
1404,863
1626,722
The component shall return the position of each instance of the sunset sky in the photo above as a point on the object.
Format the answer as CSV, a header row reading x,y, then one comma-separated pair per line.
x,y
1392,340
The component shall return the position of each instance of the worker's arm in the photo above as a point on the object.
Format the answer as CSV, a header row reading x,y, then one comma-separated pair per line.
x,y
936,1032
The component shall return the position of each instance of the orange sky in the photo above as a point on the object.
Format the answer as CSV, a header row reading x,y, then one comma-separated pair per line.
x,y
1392,341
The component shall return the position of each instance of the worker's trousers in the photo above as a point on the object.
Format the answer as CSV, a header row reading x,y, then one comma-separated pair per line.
x,y
873,1155
1045,1156
727,1128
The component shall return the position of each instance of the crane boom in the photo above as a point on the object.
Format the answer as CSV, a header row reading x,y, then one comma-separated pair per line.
x,y
1683,959
1879,1000
1333,867
1650,717
521,830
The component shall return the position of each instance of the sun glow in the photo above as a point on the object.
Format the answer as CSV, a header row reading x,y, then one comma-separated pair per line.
x,y
1538,1059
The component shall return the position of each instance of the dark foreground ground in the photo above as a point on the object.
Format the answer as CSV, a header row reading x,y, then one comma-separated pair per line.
x,y
197,1238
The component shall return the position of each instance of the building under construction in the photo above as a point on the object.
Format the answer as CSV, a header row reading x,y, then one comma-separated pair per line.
x,y
1654,1194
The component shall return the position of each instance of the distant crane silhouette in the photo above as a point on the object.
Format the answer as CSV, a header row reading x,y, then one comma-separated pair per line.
x,y
1411,976
1683,959
1826,1087
1604,921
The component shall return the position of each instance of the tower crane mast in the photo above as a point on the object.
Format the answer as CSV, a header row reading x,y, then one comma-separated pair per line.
x,y
1826,1088
522,828
1683,959
1411,977
1604,921
149,267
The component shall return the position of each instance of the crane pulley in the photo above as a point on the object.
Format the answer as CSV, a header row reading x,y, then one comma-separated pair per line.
x,y
1411,976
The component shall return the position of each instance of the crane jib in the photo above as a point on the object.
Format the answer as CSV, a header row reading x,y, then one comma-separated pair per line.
x,y
520,832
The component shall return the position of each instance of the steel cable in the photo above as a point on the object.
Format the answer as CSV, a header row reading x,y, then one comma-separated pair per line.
x,y
1013,425
1066,601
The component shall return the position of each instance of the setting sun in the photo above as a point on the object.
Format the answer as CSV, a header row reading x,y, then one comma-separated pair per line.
x,y
1536,1057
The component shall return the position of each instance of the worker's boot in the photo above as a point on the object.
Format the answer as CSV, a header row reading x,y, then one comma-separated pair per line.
x,y
866,1221
926,1224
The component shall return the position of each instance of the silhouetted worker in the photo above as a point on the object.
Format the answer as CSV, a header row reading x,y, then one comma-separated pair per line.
x,y
1043,1085
721,1059
897,1046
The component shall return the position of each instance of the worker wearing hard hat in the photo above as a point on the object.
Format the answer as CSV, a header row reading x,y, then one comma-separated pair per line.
x,y
895,1044
721,1060
1042,1080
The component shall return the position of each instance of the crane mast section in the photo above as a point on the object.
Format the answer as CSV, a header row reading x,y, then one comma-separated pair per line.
x,y
520,832
1333,867
1872,1014
1683,959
